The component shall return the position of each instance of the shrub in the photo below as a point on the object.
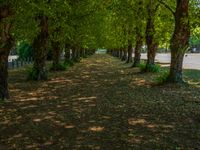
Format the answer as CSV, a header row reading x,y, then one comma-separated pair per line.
x,y
162,78
24,50
142,67
76,60
32,74
59,67
69,62
149,68
153,68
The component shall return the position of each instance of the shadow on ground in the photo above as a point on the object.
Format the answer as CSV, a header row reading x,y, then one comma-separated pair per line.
x,y
99,103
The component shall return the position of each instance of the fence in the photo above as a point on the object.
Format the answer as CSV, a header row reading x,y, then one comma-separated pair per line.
x,y
17,63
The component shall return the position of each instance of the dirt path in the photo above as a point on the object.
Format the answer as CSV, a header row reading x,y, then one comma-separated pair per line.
x,y
99,103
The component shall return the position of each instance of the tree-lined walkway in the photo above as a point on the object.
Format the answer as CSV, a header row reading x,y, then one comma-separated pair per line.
x,y
99,103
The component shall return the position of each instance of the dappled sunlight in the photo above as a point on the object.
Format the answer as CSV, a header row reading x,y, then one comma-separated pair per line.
x,y
139,82
32,146
87,99
100,103
194,83
37,120
96,129
144,123
58,80
133,121
69,126
6,122
135,140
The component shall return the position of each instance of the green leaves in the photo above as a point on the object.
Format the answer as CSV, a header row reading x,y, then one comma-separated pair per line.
x,y
95,23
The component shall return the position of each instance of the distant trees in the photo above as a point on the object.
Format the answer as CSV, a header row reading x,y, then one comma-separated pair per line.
x,y
79,27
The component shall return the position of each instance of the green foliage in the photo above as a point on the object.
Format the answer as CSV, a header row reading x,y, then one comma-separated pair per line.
x,y
149,68
59,67
77,60
153,68
24,50
142,67
69,62
162,78
31,73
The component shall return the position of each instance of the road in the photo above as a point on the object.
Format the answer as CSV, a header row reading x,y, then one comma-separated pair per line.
x,y
191,61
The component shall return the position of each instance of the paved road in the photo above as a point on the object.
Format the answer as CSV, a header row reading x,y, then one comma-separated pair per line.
x,y
191,61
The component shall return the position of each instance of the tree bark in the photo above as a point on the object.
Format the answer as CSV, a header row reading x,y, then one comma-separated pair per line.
x,y
6,43
130,52
179,42
82,52
74,53
78,53
138,49
67,53
56,56
40,50
120,53
139,33
124,57
151,41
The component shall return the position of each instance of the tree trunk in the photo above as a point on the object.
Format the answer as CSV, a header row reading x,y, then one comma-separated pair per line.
x,y
67,53
56,56
5,47
124,57
4,53
139,33
138,49
179,42
120,53
74,53
78,53
82,52
40,50
130,52
151,42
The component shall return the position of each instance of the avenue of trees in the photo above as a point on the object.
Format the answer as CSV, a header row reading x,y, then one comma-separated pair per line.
x,y
79,27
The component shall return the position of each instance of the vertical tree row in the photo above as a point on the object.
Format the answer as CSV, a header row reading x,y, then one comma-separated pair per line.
x,y
45,25
159,24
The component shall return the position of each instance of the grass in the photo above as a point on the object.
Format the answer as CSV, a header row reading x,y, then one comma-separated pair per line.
x,y
100,103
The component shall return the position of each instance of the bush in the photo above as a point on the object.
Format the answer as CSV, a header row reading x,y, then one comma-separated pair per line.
x,y
142,67
76,60
149,68
32,74
59,67
162,78
24,50
69,62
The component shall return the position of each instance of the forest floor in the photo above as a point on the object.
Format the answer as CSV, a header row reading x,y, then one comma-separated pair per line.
x,y
100,103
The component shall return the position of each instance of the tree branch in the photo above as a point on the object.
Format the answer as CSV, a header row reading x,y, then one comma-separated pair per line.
x,y
167,6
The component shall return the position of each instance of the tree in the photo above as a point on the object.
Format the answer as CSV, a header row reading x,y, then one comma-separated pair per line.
x,y
151,41
6,43
180,39
139,31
